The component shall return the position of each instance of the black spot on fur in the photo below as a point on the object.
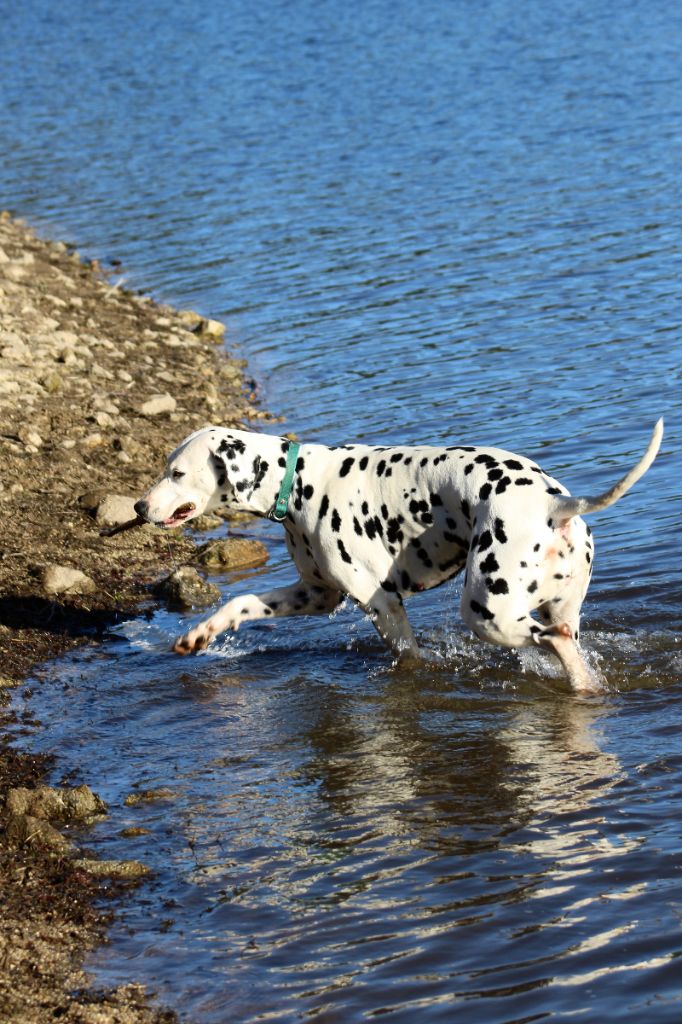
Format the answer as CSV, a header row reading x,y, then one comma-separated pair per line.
x,y
324,507
336,521
500,535
484,492
513,464
484,541
342,551
479,609
489,564
417,507
346,466
393,532
532,587
498,586
502,485
523,481
381,468
363,462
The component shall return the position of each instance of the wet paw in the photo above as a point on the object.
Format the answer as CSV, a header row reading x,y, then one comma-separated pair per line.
x,y
196,640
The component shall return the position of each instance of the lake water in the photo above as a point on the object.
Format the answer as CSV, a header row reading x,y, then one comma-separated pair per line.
x,y
449,220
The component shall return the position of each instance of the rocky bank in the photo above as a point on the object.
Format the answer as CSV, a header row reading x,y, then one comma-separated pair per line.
x,y
97,384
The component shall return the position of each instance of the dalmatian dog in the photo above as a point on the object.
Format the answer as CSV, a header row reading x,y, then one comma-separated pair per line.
x,y
379,524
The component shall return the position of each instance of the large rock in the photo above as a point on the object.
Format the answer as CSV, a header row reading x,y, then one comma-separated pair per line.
x,y
24,829
48,803
233,553
185,589
62,579
115,509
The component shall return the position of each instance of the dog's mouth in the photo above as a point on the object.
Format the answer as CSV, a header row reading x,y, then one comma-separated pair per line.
x,y
181,513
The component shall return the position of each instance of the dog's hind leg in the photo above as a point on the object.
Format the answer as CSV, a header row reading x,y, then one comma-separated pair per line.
x,y
299,599
561,637
560,640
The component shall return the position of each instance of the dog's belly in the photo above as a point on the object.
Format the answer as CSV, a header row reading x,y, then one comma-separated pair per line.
x,y
423,568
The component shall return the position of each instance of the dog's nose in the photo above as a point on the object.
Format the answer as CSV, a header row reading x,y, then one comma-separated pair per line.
x,y
142,508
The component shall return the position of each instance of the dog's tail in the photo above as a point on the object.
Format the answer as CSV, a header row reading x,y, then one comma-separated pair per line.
x,y
566,506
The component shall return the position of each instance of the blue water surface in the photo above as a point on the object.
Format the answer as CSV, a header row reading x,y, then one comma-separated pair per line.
x,y
419,222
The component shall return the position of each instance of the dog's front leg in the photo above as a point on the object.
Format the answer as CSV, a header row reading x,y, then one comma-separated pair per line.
x,y
299,599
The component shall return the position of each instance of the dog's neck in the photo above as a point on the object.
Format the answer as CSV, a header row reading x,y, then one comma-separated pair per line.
x,y
255,465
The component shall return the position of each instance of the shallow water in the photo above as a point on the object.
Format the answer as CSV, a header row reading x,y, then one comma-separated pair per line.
x,y
444,221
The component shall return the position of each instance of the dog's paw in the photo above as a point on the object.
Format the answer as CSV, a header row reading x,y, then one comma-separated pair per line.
x,y
197,639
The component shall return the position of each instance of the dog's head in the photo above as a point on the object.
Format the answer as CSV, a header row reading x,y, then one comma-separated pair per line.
x,y
209,469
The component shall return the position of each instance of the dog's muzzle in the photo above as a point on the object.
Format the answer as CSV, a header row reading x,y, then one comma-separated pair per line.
x,y
182,513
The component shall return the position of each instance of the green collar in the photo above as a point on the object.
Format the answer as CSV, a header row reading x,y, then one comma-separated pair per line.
x,y
278,511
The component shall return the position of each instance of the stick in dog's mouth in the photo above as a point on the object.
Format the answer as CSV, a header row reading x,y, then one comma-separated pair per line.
x,y
111,531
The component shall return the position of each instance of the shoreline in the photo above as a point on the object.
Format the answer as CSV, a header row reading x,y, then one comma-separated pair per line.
x,y
97,384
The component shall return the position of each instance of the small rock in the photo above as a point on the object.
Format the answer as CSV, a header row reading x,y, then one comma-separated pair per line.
x,y
185,589
133,832
91,500
157,405
30,437
52,382
62,579
112,868
233,553
190,318
114,510
211,330
146,796
93,440
205,522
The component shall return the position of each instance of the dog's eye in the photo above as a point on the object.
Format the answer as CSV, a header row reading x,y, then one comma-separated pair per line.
x,y
177,474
